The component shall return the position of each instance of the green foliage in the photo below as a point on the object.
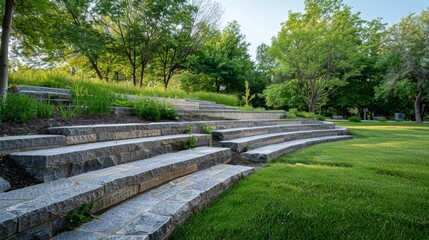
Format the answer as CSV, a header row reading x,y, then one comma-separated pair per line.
x,y
355,119
289,116
205,129
190,144
19,109
247,97
167,111
79,216
372,187
250,108
382,119
147,109
66,112
188,129
283,95
123,103
44,110
320,117
318,49
246,148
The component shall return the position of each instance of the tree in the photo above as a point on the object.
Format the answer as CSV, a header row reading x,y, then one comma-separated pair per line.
x,y
189,30
405,50
318,49
225,59
4,47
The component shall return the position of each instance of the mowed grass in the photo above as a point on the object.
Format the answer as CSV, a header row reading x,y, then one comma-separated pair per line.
x,y
375,186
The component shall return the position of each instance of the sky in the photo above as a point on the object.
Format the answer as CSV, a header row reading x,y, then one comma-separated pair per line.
x,y
260,20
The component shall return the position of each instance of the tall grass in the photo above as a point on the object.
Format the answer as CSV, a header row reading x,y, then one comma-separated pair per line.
x,y
100,91
22,108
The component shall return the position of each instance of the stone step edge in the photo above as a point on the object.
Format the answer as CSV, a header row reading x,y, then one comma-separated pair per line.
x,y
45,206
17,88
267,153
257,141
231,133
155,214
10,144
51,164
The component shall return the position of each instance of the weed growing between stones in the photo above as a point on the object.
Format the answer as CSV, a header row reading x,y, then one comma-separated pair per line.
x,y
190,144
79,216
207,129
188,129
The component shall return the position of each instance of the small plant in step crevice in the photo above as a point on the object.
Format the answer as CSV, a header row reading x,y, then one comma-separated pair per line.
x,y
191,143
188,129
207,129
79,216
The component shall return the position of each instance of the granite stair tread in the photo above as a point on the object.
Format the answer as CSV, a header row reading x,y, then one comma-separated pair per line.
x,y
27,142
233,133
55,163
38,205
155,214
266,153
239,144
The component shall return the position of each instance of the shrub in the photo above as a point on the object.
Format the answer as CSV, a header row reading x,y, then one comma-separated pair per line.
x,y
355,119
382,119
289,116
320,117
168,112
147,109
18,108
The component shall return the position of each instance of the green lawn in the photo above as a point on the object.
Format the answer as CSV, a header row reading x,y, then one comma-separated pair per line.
x,y
375,186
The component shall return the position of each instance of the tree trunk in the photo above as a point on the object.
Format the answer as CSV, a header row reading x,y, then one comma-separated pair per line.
x,y
133,74
417,107
4,47
97,70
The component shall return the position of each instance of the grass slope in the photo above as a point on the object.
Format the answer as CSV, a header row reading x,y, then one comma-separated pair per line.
x,y
375,186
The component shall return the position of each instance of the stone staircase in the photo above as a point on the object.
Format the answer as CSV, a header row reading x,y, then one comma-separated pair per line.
x,y
54,96
138,177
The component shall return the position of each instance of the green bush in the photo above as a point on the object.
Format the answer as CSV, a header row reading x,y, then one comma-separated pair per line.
x,y
18,109
190,144
382,119
167,112
147,109
320,117
290,115
206,129
354,119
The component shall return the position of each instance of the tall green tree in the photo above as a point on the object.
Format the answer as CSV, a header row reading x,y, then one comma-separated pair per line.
x,y
190,28
225,59
406,52
318,49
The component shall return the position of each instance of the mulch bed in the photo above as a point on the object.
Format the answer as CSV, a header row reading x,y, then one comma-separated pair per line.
x,y
19,178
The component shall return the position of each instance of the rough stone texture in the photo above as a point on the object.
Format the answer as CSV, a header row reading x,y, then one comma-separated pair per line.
x,y
37,208
8,223
4,185
232,133
267,153
156,213
240,144
19,88
50,164
28,142
232,114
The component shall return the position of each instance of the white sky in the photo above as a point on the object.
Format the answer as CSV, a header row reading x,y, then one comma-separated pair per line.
x,y
260,19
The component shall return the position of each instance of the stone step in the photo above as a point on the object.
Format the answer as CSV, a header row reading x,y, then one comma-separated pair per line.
x,y
267,153
246,143
155,214
46,95
50,164
233,133
20,88
108,132
10,144
40,211
232,114
4,185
